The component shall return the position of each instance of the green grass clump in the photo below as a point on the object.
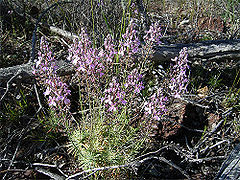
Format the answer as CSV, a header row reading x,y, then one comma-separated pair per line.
x,y
12,112
103,142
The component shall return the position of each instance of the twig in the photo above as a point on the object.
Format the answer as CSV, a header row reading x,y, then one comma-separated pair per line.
x,y
154,152
208,134
98,169
11,162
174,166
190,149
194,103
44,165
12,170
217,126
217,144
8,84
169,163
62,172
49,174
38,99
8,140
207,159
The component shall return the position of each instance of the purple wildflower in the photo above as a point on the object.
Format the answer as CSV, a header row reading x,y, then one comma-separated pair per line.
x,y
120,94
153,35
156,106
87,60
179,77
130,42
45,71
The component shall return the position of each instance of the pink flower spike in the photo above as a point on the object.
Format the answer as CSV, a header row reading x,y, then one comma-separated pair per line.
x,y
59,98
124,102
81,68
47,92
112,108
109,100
51,101
177,96
75,61
66,101
38,63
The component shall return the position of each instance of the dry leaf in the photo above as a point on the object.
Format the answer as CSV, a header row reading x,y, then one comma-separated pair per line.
x,y
203,92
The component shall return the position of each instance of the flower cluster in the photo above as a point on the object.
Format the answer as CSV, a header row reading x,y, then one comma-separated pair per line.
x,y
95,66
156,106
130,42
153,35
114,95
134,82
45,71
120,94
83,56
177,85
89,61
109,52
178,74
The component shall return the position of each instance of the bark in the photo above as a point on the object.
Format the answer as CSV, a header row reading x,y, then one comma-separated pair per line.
x,y
217,50
206,51
25,70
230,168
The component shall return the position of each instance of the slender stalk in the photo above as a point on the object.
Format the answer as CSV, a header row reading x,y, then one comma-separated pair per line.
x,y
93,25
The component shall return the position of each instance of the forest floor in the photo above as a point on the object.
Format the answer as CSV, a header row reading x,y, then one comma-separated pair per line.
x,y
206,127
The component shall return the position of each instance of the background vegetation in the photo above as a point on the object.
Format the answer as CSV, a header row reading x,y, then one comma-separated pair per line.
x,y
190,141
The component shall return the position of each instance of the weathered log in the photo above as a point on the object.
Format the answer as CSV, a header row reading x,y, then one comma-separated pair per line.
x,y
230,168
217,50
25,70
205,51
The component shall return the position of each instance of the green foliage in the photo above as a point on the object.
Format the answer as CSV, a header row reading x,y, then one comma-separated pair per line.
x,y
215,81
201,77
230,6
101,141
232,99
12,112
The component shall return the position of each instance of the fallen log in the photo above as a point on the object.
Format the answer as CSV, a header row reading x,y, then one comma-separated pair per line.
x,y
230,168
217,50
25,70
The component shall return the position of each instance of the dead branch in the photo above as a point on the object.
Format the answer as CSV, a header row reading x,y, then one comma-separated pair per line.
x,y
13,158
38,99
138,163
8,84
63,33
98,169
49,174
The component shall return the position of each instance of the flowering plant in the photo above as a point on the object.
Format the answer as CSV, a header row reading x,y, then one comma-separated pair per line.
x,y
179,74
110,80
56,90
